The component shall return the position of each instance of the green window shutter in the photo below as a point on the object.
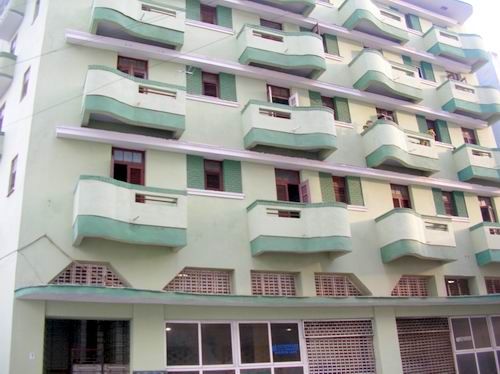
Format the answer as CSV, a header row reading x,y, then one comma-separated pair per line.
x,y
332,44
304,29
193,10
459,203
438,201
193,80
427,71
354,191
227,87
341,107
326,185
232,176
422,124
195,172
413,22
407,60
224,16
315,98
442,129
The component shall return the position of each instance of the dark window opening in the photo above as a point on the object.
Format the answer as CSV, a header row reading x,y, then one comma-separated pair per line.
x,y
400,196
385,114
457,286
448,202
213,175
288,185
432,127
128,166
340,190
278,95
469,136
210,84
134,67
487,210
208,14
271,24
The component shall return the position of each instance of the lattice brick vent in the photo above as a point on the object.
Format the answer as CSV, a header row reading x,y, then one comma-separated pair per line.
x,y
273,283
425,345
492,285
330,284
340,347
205,281
88,275
409,285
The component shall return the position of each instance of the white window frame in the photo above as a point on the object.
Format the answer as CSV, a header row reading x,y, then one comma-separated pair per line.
x,y
237,365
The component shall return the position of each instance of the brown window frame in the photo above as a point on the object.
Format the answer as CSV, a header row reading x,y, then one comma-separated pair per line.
x,y
449,206
400,199
26,81
12,176
285,178
456,286
488,208
271,24
129,165
340,189
210,79
386,114
469,136
218,173
278,93
208,14
134,69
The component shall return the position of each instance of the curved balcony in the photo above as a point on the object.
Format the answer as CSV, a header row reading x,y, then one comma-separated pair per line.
x,y
269,126
126,102
12,14
477,164
105,208
285,227
403,233
7,66
371,72
486,240
139,21
465,48
472,101
388,147
295,6
365,16
298,53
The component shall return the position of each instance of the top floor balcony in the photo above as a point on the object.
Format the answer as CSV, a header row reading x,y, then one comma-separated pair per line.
x,y
295,6
371,72
298,53
11,16
367,17
143,21
465,48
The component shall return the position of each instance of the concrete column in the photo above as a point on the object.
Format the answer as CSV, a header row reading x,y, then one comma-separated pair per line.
x,y
147,333
387,353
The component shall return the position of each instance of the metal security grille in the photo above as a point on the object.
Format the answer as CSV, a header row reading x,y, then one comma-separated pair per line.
x,y
88,275
425,346
273,283
492,285
340,347
411,285
205,281
329,284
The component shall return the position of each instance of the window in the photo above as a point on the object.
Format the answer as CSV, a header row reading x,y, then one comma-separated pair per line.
x,y
330,284
457,286
203,281
134,67
340,190
2,114
87,274
411,286
213,175
271,24
26,80
210,83
12,177
208,14
469,136
432,126
487,209
400,196
386,115
449,205
273,283
413,22
330,44
36,11
287,185
250,347
455,76
128,166
492,285
13,44
279,95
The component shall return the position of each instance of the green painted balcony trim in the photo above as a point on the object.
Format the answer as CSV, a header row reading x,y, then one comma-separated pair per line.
x,y
478,172
404,91
449,51
86,226
96,104
291,204
131,186
278,32
146,82
391,32
455,105
277,244
138,29
475,146
488,256
485,224
139,296
287,108
394,153
303,7
414,248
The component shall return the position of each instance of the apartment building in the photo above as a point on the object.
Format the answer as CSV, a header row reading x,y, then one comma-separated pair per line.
x,y
247,187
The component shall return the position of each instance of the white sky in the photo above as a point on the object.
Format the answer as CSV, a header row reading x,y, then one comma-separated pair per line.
x,y
485,21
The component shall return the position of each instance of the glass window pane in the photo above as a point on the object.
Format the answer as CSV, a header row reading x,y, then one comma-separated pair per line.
x,y
218,371
127,156
137,157
466,364
255,371
496,329
118,156
182,344
289,371
285,340
254,342
480,332
216,344
461,333
487,364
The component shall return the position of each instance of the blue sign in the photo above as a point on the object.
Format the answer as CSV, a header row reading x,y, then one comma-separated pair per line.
x,y
285,349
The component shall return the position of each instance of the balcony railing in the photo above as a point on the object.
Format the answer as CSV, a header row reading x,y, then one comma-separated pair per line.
x,y
295,6
285,227
476,163
486,241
